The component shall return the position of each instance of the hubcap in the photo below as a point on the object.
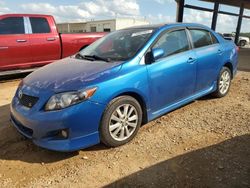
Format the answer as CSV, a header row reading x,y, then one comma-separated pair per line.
x,y
123,122
224,82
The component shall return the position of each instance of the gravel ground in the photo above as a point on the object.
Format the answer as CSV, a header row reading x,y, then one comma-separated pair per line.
x,y
203,144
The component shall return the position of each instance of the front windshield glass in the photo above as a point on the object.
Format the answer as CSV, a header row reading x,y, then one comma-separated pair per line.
x,y
117,46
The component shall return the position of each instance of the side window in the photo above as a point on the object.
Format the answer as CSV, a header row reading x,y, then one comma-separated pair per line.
x,y
39,25
12,25
214,39
200,38
173,42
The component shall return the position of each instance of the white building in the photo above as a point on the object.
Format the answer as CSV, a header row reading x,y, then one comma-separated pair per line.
x,y
100,25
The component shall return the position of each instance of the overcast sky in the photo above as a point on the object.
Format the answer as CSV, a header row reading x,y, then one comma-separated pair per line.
x,y
156,11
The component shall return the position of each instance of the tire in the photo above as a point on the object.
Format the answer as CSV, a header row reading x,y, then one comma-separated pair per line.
x,y
242,43
223,83
117,129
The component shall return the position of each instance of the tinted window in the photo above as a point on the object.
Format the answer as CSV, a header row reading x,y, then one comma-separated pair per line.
x,y
12,25
200,38
39,25
173,42
119,45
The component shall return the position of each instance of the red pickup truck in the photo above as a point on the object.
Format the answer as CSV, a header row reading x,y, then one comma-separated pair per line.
x,y
30,40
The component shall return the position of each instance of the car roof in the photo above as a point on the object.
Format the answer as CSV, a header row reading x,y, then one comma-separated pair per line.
x,y
19,15
163,25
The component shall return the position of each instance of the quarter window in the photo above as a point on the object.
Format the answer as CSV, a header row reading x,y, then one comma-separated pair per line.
x,y
201,38
173,42
39,25
12,25
214,39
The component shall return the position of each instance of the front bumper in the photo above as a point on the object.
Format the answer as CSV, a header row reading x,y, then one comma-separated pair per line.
x,y
81,120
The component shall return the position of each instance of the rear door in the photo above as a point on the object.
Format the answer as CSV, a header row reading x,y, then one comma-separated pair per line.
x,y
44,39
14,43
209,56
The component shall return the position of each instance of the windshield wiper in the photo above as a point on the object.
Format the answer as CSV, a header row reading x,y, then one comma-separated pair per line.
x,y
92,57
80,56
96,57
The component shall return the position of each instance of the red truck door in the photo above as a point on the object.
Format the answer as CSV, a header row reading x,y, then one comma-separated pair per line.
x,y
44,39
14,43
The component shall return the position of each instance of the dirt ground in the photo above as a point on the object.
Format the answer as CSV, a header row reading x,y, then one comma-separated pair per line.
x,y
203,144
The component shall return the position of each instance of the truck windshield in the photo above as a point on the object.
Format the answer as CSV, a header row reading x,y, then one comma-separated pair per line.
x,y
117,46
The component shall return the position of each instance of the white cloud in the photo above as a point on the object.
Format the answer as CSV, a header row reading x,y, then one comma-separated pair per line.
x,y
3,8
194,16
225,23
164,1
112,7
247,12
86,10
160,18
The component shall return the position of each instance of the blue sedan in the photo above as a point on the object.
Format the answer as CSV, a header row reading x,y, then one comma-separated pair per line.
x,y
108,90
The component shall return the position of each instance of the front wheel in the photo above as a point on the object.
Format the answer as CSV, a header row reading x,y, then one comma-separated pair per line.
x,y
223,83
121,121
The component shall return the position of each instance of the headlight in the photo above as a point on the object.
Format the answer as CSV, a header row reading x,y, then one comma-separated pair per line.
x,y
63,100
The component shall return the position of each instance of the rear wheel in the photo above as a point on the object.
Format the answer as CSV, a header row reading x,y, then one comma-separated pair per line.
x,y
121,121
242,43
223,83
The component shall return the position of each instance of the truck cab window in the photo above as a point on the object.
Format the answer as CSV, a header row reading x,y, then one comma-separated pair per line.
x,y
12,25
39,25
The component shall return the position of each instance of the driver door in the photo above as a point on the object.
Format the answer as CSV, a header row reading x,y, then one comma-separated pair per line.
x,y
173,76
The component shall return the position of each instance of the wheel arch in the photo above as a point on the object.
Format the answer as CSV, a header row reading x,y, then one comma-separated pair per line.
x,y
230,66
141,101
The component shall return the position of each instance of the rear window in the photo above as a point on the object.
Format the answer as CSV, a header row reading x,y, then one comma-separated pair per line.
x,y
12,25
39,25
201,38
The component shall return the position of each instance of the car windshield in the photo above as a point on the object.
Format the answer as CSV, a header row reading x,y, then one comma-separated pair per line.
x,y
117,46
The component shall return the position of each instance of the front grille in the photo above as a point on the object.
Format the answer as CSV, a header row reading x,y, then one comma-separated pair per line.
x,y
27,100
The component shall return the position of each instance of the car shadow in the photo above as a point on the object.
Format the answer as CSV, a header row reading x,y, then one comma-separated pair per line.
x,y
222,165
13,77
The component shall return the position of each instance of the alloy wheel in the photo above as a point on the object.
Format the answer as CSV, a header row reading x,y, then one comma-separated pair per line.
x,y
123,122
224,82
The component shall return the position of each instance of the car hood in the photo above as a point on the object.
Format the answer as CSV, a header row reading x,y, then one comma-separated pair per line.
x,y
70,74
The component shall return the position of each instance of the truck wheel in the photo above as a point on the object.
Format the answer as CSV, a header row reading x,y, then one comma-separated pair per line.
x,y
223,83
242,43
121,121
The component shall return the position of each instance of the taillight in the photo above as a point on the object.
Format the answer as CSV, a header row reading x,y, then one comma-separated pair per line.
x,y
237,48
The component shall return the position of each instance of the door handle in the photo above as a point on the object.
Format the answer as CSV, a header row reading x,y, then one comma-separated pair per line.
x,y
51,39
220,52
3,47
21,40
191,60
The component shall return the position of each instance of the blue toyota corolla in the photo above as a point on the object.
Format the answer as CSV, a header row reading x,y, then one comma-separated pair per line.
x,y
125,79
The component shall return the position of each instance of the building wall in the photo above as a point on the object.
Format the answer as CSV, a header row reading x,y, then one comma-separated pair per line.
x,y
71,27
100,26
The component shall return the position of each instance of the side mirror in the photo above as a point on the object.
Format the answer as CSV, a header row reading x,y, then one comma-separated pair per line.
x,y
153,55
157,53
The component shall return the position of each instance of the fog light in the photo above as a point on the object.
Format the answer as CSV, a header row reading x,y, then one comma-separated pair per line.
x,y
64,133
